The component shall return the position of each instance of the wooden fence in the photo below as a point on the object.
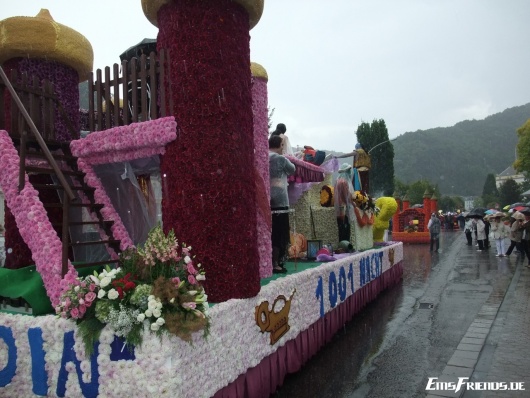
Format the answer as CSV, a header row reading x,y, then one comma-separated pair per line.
x,y
39,100
136,91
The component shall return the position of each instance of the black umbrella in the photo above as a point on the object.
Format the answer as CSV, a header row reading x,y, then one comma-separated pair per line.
x,y
146,46
517,204
477,212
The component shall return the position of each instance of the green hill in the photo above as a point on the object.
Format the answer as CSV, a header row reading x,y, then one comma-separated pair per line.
x,y
459,158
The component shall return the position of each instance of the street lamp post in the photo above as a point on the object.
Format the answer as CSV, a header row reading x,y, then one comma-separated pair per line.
x,y
381,143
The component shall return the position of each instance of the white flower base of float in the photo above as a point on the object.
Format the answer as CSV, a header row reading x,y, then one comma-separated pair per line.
x,y
170,367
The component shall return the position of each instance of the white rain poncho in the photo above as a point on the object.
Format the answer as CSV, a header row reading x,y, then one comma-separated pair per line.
x,y
279,169
342,193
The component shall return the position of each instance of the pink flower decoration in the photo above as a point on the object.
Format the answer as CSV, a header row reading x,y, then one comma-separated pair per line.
x,y
74,313
118,144
90,296
32,222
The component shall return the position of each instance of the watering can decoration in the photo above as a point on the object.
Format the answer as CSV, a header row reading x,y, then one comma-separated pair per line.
x,y
277,323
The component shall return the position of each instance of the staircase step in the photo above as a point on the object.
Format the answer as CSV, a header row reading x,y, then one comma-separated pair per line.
x,y
84,265
33,143
58,186
56,156
78,223
96,206
43,170
94,242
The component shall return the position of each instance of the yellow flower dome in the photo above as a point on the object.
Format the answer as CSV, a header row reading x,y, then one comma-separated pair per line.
x,y
253,7
258,71
42,37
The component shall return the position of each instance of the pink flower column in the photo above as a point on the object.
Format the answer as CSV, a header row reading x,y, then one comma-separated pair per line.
x,y
261,167
209,196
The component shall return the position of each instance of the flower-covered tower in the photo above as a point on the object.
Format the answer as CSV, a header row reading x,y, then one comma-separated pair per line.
x,y
209,176
261,166
41,47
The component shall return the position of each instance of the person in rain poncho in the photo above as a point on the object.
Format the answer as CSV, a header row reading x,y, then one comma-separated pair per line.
x,y
469,231
499,231
481,233
279,169
516,233
343,200
434,225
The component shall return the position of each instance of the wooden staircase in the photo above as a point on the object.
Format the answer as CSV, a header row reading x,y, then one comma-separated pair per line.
x,y
51,164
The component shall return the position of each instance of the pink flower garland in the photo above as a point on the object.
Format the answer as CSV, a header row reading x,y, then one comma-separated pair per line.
x,y
33,223
122,143
108,211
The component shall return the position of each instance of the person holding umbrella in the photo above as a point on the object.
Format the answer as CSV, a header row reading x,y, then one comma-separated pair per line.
x,y
481,233
516,233
525,241
499,231
434,227
469,230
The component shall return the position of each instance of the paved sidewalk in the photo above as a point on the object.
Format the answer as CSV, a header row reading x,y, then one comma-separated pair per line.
x,y
496,346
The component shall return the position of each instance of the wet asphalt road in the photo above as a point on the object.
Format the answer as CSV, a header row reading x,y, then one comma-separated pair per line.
x,y
410,331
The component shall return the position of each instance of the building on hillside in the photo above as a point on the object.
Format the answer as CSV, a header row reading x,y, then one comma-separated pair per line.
x,y
508,173
469,203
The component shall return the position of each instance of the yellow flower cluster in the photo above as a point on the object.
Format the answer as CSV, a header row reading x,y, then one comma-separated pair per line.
x,y
359,198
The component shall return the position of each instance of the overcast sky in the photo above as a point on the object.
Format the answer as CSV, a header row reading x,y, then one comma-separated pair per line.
x,y
333,64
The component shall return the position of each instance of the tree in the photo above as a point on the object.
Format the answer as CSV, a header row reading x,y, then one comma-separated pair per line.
x,y
417,190
509,192
490,193
400,188
450,203
382,157
522,163
270,113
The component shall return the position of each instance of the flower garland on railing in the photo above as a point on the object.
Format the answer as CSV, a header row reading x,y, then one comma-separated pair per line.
x,y
157,286
108,211
32,221
122,143
305,171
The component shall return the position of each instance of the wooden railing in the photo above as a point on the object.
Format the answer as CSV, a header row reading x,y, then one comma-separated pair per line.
x,y
21,121
41,103
136,91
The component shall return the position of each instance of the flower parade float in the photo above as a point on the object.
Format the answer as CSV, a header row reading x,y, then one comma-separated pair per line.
x,y
409,224
148,325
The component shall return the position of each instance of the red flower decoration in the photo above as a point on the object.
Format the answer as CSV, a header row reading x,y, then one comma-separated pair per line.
x,y
209,189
